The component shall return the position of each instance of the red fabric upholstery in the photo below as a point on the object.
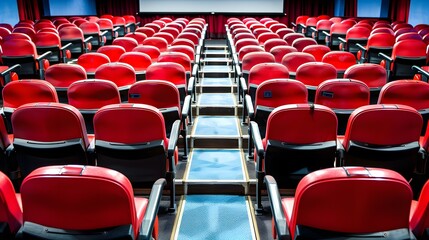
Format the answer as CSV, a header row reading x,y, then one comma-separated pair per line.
x,y
269,44
314,73
280,51
91,61
62,75
239,44
93,94
345,94
407,92
112,51
19,48
295,59
290,37
157,93
172,72
59,196
183,42
383,125
176,57
158,42
266,71
283,91
122,74
173,31
138,60
149,32
253,58
340,60
126,42
263,37
165,35
138,36
152,51
360,208
283,31
410,48
373,75
248,49
301,43
189,51
419,218
10,210
318,51
48,122
111,128
21,92
306,124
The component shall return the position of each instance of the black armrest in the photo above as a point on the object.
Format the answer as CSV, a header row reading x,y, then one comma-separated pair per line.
x,y
249,105
185,111
152,209
191,84
313,28
243,85
103,33
326,33
115,29
293,24
238,70
63,50
87,39
425,74
276,208
194,70
387,58
258,144
128,25
172,143
340,154
44,56
360,47
10,69
137,24
342,40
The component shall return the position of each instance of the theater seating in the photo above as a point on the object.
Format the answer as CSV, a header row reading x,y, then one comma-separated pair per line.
x,y
383,135
48,134
10,210
136,144
91,61
351,204
295,134
56,200
343,96
122,74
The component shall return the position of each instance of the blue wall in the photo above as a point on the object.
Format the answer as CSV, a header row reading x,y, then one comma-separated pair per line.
x,y
69,7
368,8
9,11
419,12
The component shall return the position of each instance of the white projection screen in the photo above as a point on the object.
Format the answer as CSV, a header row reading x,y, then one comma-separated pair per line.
x,y
211,6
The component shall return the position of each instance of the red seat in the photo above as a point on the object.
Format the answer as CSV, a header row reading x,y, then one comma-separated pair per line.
x,y
120,24
165,35
62,75
269,44
152,51
46,41
323,25
338,30
299,23
158,42
131,22
314,73
279,52
91,61
47,134
408,92
301,43
148,92
340,60
283,31
107,25
11,211
373,75
290,37
24,53
75,36
136,144
122,74
294,134
262,38
318,51
171,30
343,96
139,61
360,210
90,95
383,135
149,32
418,216
63,211
310,26
248,49
405,54
295,59
114,52
378,42
356,34
258,74
126,42
138,36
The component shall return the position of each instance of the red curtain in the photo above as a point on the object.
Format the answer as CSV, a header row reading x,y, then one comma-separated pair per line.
x,y
350,8
295,8
399,10
29,9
